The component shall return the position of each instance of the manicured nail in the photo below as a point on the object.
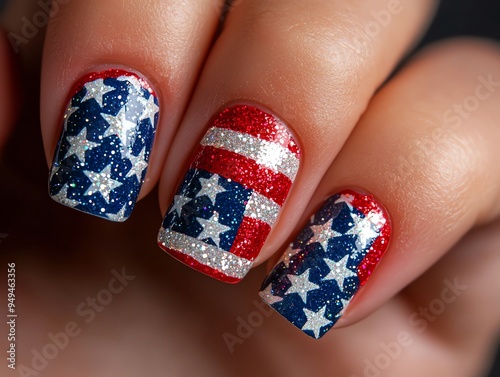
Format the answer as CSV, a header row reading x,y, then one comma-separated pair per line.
x,y
232,194
328,262
103,153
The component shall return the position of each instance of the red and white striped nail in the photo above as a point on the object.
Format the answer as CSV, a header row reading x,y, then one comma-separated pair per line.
x,y
232,193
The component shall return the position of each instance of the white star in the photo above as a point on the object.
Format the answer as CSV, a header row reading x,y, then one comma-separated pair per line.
x,y
62,197
339,271
97,89
301,285
377,218
101,182
120,126
210,187
79,144
347,199
363,229
118,217
267,296
150,109
323,233
138,165
212,228
179,202
315,321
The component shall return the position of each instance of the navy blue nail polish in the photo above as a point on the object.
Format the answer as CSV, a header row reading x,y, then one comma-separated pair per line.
x,y
103,153
329,261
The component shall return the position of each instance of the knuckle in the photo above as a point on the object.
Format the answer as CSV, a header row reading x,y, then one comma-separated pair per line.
x,y
438,157
330,44
319,52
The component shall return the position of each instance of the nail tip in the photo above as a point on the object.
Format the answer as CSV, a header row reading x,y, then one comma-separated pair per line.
x,y
104,148
192,263
232,193
107,217
331,258
265,298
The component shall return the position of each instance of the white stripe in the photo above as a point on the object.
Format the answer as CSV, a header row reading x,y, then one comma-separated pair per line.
x,y
261,208
266,153
208,255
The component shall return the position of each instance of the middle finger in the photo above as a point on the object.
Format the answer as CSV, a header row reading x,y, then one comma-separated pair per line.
x,y
315,66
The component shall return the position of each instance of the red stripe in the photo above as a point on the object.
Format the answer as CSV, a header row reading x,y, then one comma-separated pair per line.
x,y
365,203
247,172
110,73
376,252
194,264
250,238
253,121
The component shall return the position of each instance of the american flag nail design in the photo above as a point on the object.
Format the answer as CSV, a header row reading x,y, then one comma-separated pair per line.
x,y
328,262
103,153
232,193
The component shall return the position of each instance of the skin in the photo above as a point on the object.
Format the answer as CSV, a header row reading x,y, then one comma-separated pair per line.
x,y
443,198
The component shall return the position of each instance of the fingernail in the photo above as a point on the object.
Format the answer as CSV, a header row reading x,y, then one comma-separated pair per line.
x,y
103,153
232,193
328,262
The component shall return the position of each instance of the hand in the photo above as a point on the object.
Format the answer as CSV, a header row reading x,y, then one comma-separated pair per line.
x,y
423,145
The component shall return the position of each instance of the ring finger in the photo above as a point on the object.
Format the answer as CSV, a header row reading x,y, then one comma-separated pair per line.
x,y
426,150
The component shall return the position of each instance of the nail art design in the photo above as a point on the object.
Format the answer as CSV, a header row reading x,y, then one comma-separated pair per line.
x,y
103,153
328,262
232,194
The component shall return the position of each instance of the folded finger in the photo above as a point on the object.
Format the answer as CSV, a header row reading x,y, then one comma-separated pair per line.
x,y
425,157
116,79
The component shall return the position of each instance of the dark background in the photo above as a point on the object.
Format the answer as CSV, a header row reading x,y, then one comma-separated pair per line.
x,y
466,17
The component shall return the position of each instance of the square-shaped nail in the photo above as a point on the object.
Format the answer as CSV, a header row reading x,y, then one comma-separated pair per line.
x,y
103,152
328,262
232,193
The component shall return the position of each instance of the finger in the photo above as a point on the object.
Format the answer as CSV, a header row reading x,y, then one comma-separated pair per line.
x,y
9,90
313,68
470,317
433,170
118,63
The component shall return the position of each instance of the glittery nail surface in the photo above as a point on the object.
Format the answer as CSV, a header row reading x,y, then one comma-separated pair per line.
x,y
328,262
232,193
103,153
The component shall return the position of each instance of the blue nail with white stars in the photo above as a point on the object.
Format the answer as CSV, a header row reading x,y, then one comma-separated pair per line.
x,y
103,154
329,261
